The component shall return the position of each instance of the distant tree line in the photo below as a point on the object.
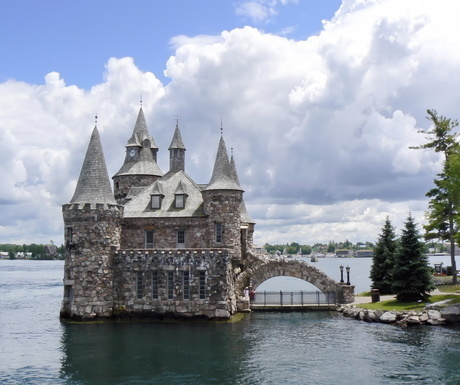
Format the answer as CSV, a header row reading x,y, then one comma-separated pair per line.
x,y
296,248
33,251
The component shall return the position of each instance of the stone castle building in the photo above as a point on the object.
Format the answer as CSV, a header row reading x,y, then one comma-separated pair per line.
x,y
160,244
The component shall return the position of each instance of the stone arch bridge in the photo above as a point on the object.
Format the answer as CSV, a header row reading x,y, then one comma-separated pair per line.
x,y
258,269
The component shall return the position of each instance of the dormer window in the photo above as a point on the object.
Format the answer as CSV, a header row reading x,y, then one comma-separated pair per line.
x,y
179,201
156,196
180,195
156,201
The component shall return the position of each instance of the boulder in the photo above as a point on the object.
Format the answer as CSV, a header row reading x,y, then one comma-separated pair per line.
x,y
451,313
388,317
413,320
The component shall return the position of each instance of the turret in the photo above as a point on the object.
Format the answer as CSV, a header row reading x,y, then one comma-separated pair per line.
x,y
222,203
176,152
92,222
140,167
247,223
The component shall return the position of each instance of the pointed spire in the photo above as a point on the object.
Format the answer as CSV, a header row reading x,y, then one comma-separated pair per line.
x,y
94,184
233,172
222,178
177,141
141,132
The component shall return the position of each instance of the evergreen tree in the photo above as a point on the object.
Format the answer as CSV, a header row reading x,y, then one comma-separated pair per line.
x,y
383,259
411,274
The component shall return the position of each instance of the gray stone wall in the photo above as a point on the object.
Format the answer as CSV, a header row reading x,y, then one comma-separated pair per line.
x,y
91,235
165,229
219,297
223,206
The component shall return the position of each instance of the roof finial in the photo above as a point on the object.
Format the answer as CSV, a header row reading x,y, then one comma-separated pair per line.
x,y
141,99
176,117
221,127
95,120
231,149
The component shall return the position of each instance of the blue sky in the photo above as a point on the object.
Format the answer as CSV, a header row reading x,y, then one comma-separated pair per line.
x,y
320,101
75,38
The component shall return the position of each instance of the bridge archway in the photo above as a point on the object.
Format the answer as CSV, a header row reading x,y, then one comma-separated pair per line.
x,y
263,268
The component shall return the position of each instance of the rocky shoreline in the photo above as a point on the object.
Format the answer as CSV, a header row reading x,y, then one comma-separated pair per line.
x,y
439,313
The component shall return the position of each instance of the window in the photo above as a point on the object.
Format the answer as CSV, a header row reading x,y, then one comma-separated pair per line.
x,y
170,285
156,201
202,285
155,284
179,202
148,237
69,237
139,285
219,232
186,284
180,239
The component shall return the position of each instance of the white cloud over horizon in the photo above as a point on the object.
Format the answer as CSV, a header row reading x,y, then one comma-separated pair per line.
x,y
320,128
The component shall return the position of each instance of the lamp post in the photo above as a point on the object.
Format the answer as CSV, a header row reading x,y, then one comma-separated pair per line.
x,y
341,274
348,275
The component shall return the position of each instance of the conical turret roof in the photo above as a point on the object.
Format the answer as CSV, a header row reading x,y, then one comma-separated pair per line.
x,y
140,132
222,178
94,184
244,212
177,141
233,172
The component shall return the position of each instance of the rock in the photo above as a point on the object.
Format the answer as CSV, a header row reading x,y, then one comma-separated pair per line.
x,y
371,316
220,313
434,314
378,313
424,317
451,313
413,320
388,317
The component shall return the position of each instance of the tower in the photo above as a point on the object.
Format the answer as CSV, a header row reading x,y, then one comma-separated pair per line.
x,y
176,152
140,166
223,197
92,223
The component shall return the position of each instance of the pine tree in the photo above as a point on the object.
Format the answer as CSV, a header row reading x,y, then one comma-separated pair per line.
x,y
411,274
383,259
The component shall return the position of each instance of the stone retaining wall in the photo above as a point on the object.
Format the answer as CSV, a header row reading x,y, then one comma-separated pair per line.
x,y
434,314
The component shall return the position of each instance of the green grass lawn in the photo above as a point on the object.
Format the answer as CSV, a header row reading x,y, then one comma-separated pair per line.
x,y
393,304
449,288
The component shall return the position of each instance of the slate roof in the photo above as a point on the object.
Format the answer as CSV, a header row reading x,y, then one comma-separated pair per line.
x,y
170,184
223,178
177,141
140,132
244,212
145,165
94,184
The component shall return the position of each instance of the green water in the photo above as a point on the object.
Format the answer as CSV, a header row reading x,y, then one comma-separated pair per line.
x,y
262,348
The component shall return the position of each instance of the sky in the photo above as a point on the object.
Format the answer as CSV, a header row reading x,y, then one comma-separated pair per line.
x,y
319,102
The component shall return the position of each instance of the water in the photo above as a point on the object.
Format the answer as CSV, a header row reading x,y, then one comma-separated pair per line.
x,y
262,348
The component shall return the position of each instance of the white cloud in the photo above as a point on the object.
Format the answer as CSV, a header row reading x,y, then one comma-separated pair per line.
x,y
260,11
320,128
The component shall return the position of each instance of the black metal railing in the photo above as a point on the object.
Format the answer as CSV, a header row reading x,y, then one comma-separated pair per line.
x,y
294,298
